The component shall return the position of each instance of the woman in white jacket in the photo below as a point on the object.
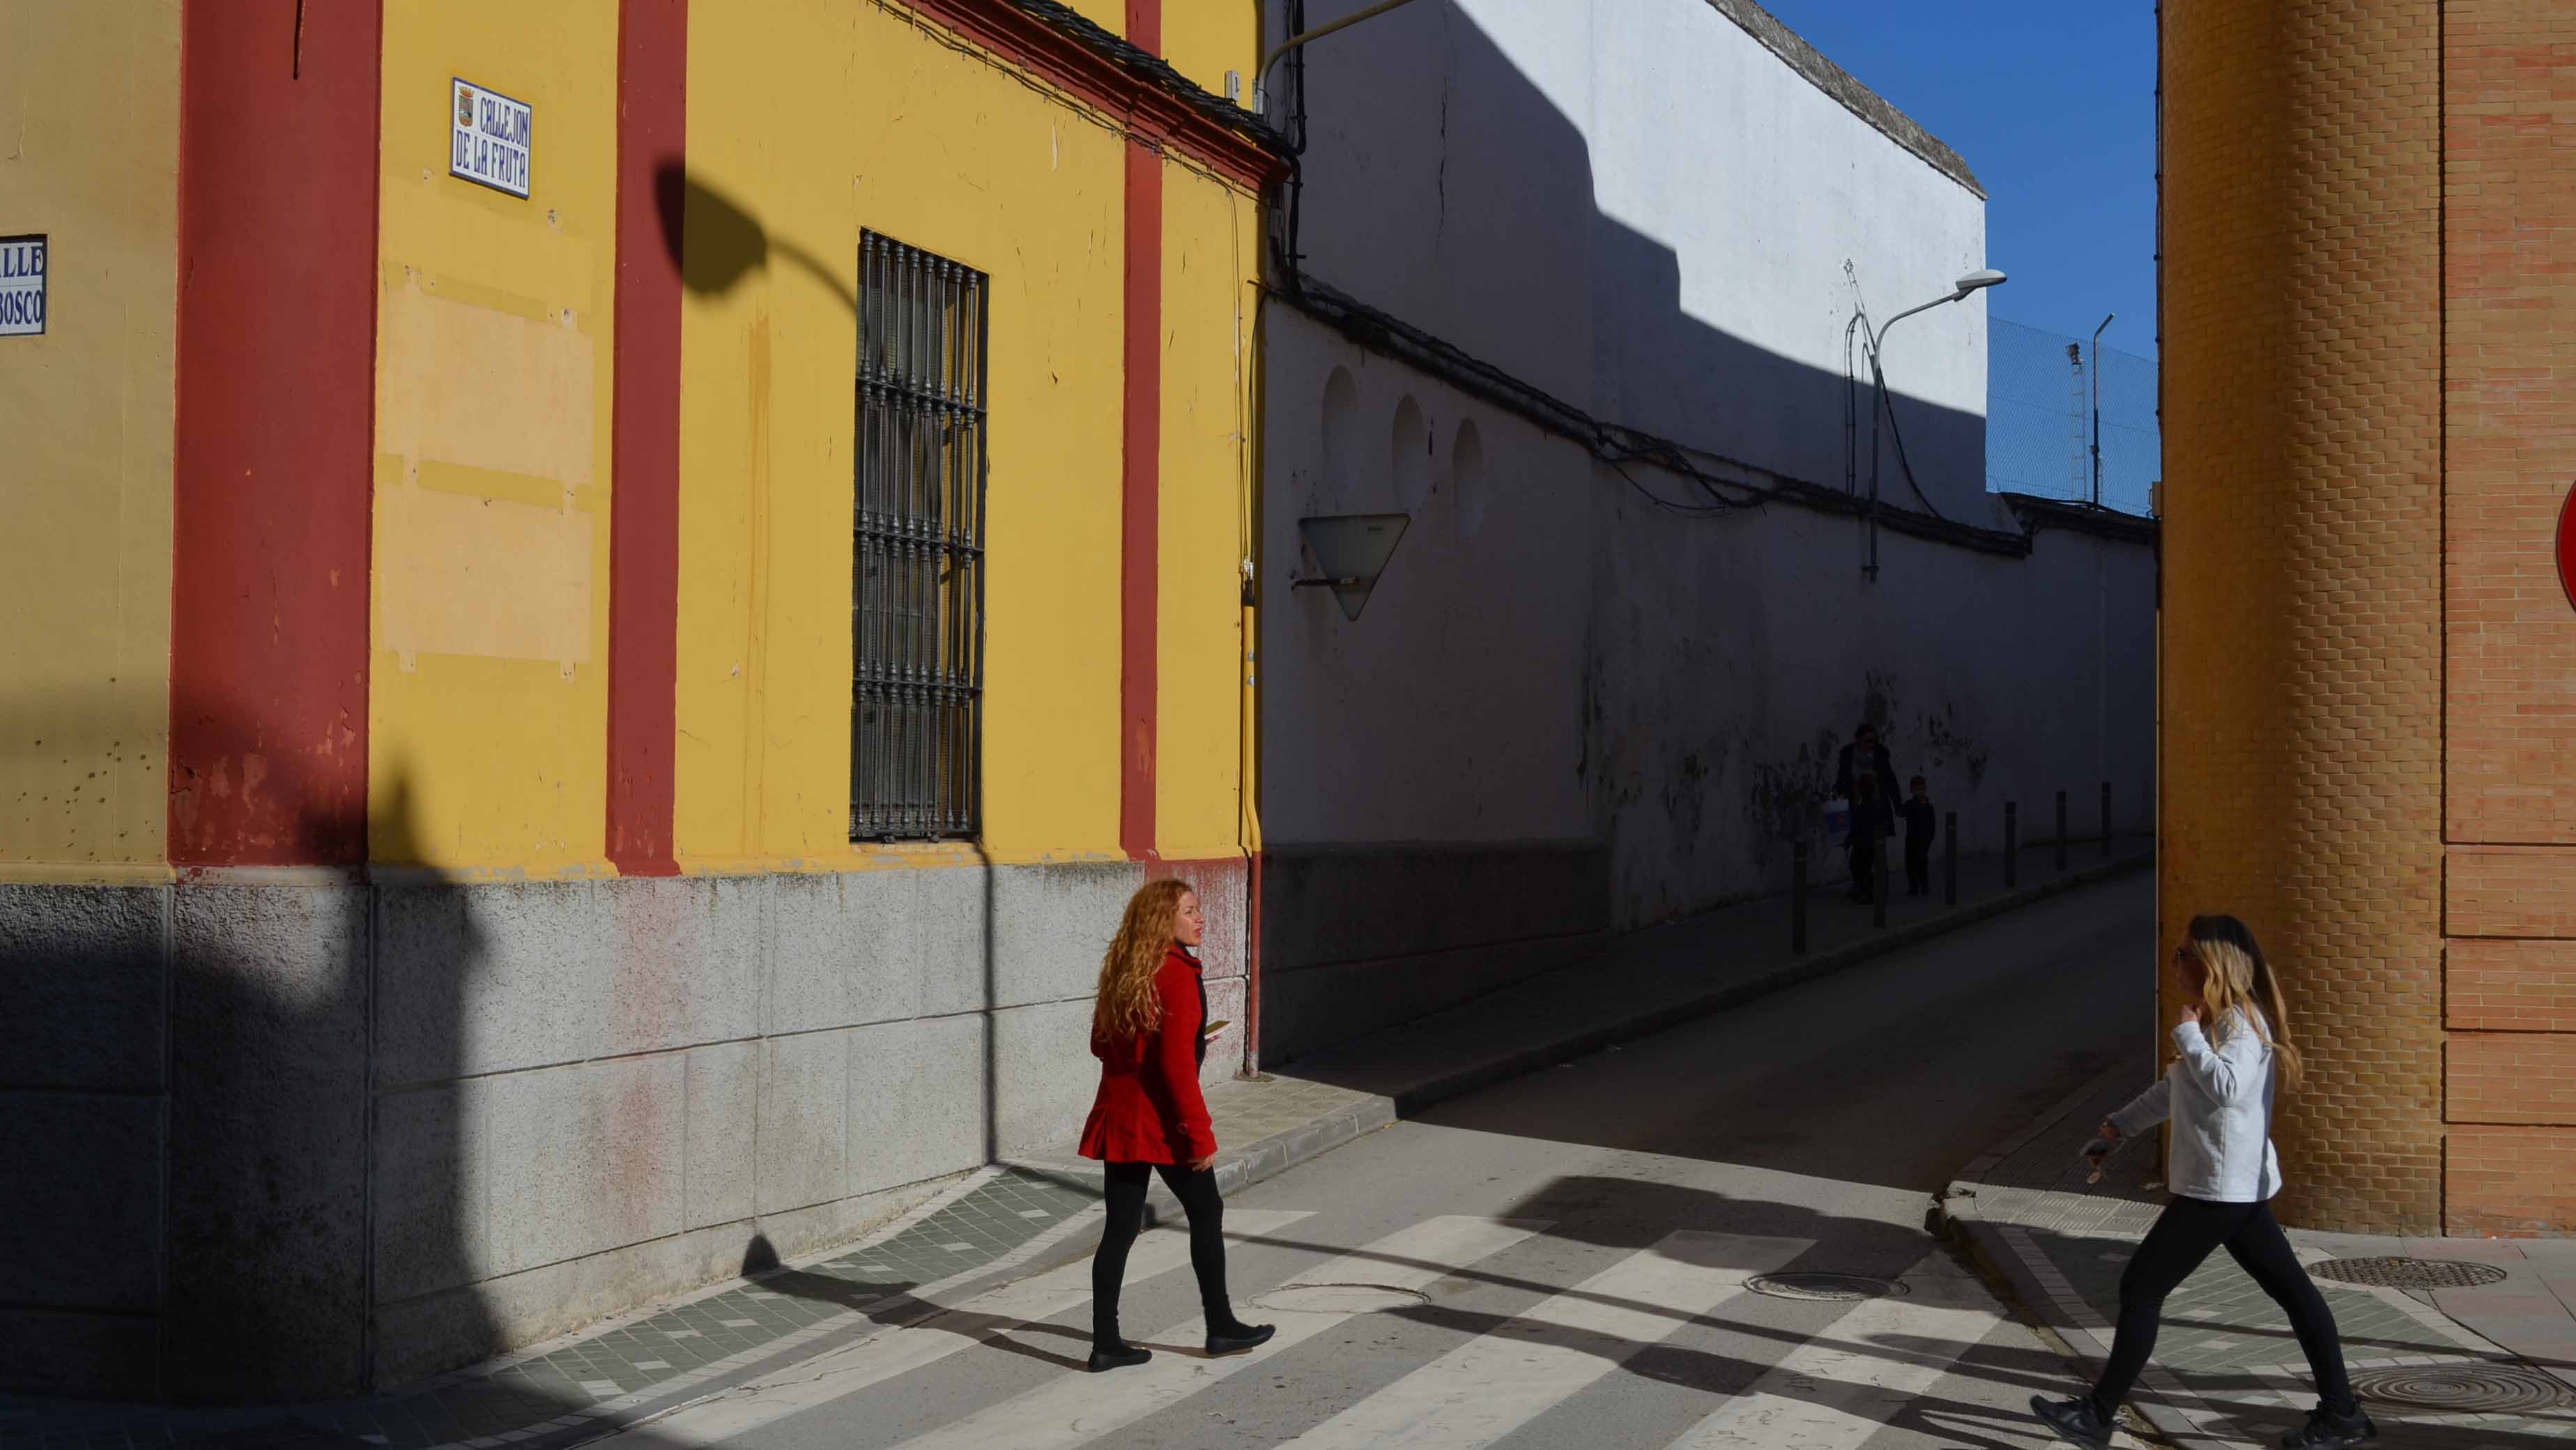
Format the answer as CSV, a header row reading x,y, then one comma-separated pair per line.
x,y
2231,1048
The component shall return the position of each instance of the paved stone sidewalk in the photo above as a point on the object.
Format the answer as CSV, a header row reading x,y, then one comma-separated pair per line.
x,y
1020,1217
2226,1370
630,1369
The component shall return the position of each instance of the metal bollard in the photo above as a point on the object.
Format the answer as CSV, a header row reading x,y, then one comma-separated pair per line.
x,y
1798,900
2012,844
1950,859
2061,830
2106,820
1878,887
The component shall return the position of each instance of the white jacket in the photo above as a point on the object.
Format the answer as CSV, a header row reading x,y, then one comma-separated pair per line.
x,y
2219,1097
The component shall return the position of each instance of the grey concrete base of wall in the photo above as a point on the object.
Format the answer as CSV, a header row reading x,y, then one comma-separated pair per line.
x,y
1354,939
282,1139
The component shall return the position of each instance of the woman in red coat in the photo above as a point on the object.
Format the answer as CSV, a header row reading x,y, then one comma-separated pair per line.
x,y
1146,1029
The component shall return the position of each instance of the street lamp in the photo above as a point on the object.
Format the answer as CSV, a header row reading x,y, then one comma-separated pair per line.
x,y
2096,380
1976,281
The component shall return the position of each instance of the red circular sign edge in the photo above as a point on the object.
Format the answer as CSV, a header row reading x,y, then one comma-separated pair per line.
x,y
2567,547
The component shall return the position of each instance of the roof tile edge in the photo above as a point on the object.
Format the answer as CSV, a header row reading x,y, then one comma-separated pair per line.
x,y
1838,83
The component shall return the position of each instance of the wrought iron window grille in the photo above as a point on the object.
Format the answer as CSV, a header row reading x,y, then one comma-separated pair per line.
x,y
917,605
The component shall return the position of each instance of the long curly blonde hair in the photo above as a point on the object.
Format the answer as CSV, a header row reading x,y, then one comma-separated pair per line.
x,y
1127,1007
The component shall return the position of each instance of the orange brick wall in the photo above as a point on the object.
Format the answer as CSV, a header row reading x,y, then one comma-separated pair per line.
x,y
2510,416
2511,986
2512,1077
2511,891
2511,1181
2300,664
2368,661
2509,437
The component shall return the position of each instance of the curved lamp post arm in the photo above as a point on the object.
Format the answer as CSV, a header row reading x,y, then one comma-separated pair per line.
x,y
1900,317
1976,281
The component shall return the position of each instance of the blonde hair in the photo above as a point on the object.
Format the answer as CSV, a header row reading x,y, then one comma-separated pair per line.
x,y
2234,975
1127,1007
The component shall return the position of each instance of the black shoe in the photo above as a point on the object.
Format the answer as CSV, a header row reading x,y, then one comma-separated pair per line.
x,y
2329,1431
2074,1420
1237,1338
1117,1356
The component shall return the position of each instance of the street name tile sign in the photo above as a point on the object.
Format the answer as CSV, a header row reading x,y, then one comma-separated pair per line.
x,y
22,286
492,142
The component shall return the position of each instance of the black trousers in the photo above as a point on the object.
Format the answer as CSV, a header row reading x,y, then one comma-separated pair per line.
x,y
1126,1195
1918,869
2183,1236
1866,860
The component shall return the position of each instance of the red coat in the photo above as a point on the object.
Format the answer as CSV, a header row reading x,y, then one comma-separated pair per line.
x,y
1149,1109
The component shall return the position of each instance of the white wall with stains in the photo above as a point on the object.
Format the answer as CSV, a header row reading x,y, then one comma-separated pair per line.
x,y
1662,213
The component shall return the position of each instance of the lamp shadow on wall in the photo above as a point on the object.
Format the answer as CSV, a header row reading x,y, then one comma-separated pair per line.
x,y
717,242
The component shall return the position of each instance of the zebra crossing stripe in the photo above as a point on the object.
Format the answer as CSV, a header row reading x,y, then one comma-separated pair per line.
x,y
1850,1382
893,1352
1492,1385
1079,1409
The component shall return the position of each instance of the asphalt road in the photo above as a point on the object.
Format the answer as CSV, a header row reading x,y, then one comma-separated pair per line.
x,y
1568,1259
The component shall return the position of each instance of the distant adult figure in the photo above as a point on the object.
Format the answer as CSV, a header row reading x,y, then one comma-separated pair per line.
x,y
2232,1047
1920,822
1872,818
1865,756
1147,1029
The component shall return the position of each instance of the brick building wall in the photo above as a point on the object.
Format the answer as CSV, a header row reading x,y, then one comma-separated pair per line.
x,y
2368,673
2509,443
2301,663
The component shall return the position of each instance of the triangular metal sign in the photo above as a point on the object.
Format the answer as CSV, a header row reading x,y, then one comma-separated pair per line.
x,y
1352,550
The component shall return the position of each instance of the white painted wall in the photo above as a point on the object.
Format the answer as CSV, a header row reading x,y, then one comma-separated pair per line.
x,y
1639,207
1636,206
1549,657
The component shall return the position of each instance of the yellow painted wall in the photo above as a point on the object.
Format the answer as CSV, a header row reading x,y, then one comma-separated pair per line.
x,y
89,138
1211,265
1203,39
945,152
493,344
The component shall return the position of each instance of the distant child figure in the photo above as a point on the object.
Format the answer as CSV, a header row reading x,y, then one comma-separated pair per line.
x,y
1918,840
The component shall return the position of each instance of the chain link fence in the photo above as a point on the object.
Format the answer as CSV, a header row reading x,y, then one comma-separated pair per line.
x,y
2039,418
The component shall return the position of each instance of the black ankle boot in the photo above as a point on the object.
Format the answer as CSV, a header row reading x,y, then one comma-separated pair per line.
x,y
1113,1353
1229,1335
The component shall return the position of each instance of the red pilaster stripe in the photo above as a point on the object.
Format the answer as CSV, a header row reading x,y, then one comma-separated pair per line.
x,y
1145,25
272,482
1140,500
644,493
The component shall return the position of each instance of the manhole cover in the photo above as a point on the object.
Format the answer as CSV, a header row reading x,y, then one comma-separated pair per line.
x,y
1340,1298
2465,1389
2409,1273
1838,1287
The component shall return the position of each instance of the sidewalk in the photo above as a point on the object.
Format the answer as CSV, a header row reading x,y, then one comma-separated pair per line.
x,y
994,1223
2487,1366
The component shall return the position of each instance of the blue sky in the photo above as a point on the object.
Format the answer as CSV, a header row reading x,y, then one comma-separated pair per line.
x,y
2053,105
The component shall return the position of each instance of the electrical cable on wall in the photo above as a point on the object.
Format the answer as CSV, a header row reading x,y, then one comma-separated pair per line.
x,y
1905,465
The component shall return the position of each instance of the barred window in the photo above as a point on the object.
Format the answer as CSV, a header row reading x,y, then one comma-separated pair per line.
x,y
917,618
